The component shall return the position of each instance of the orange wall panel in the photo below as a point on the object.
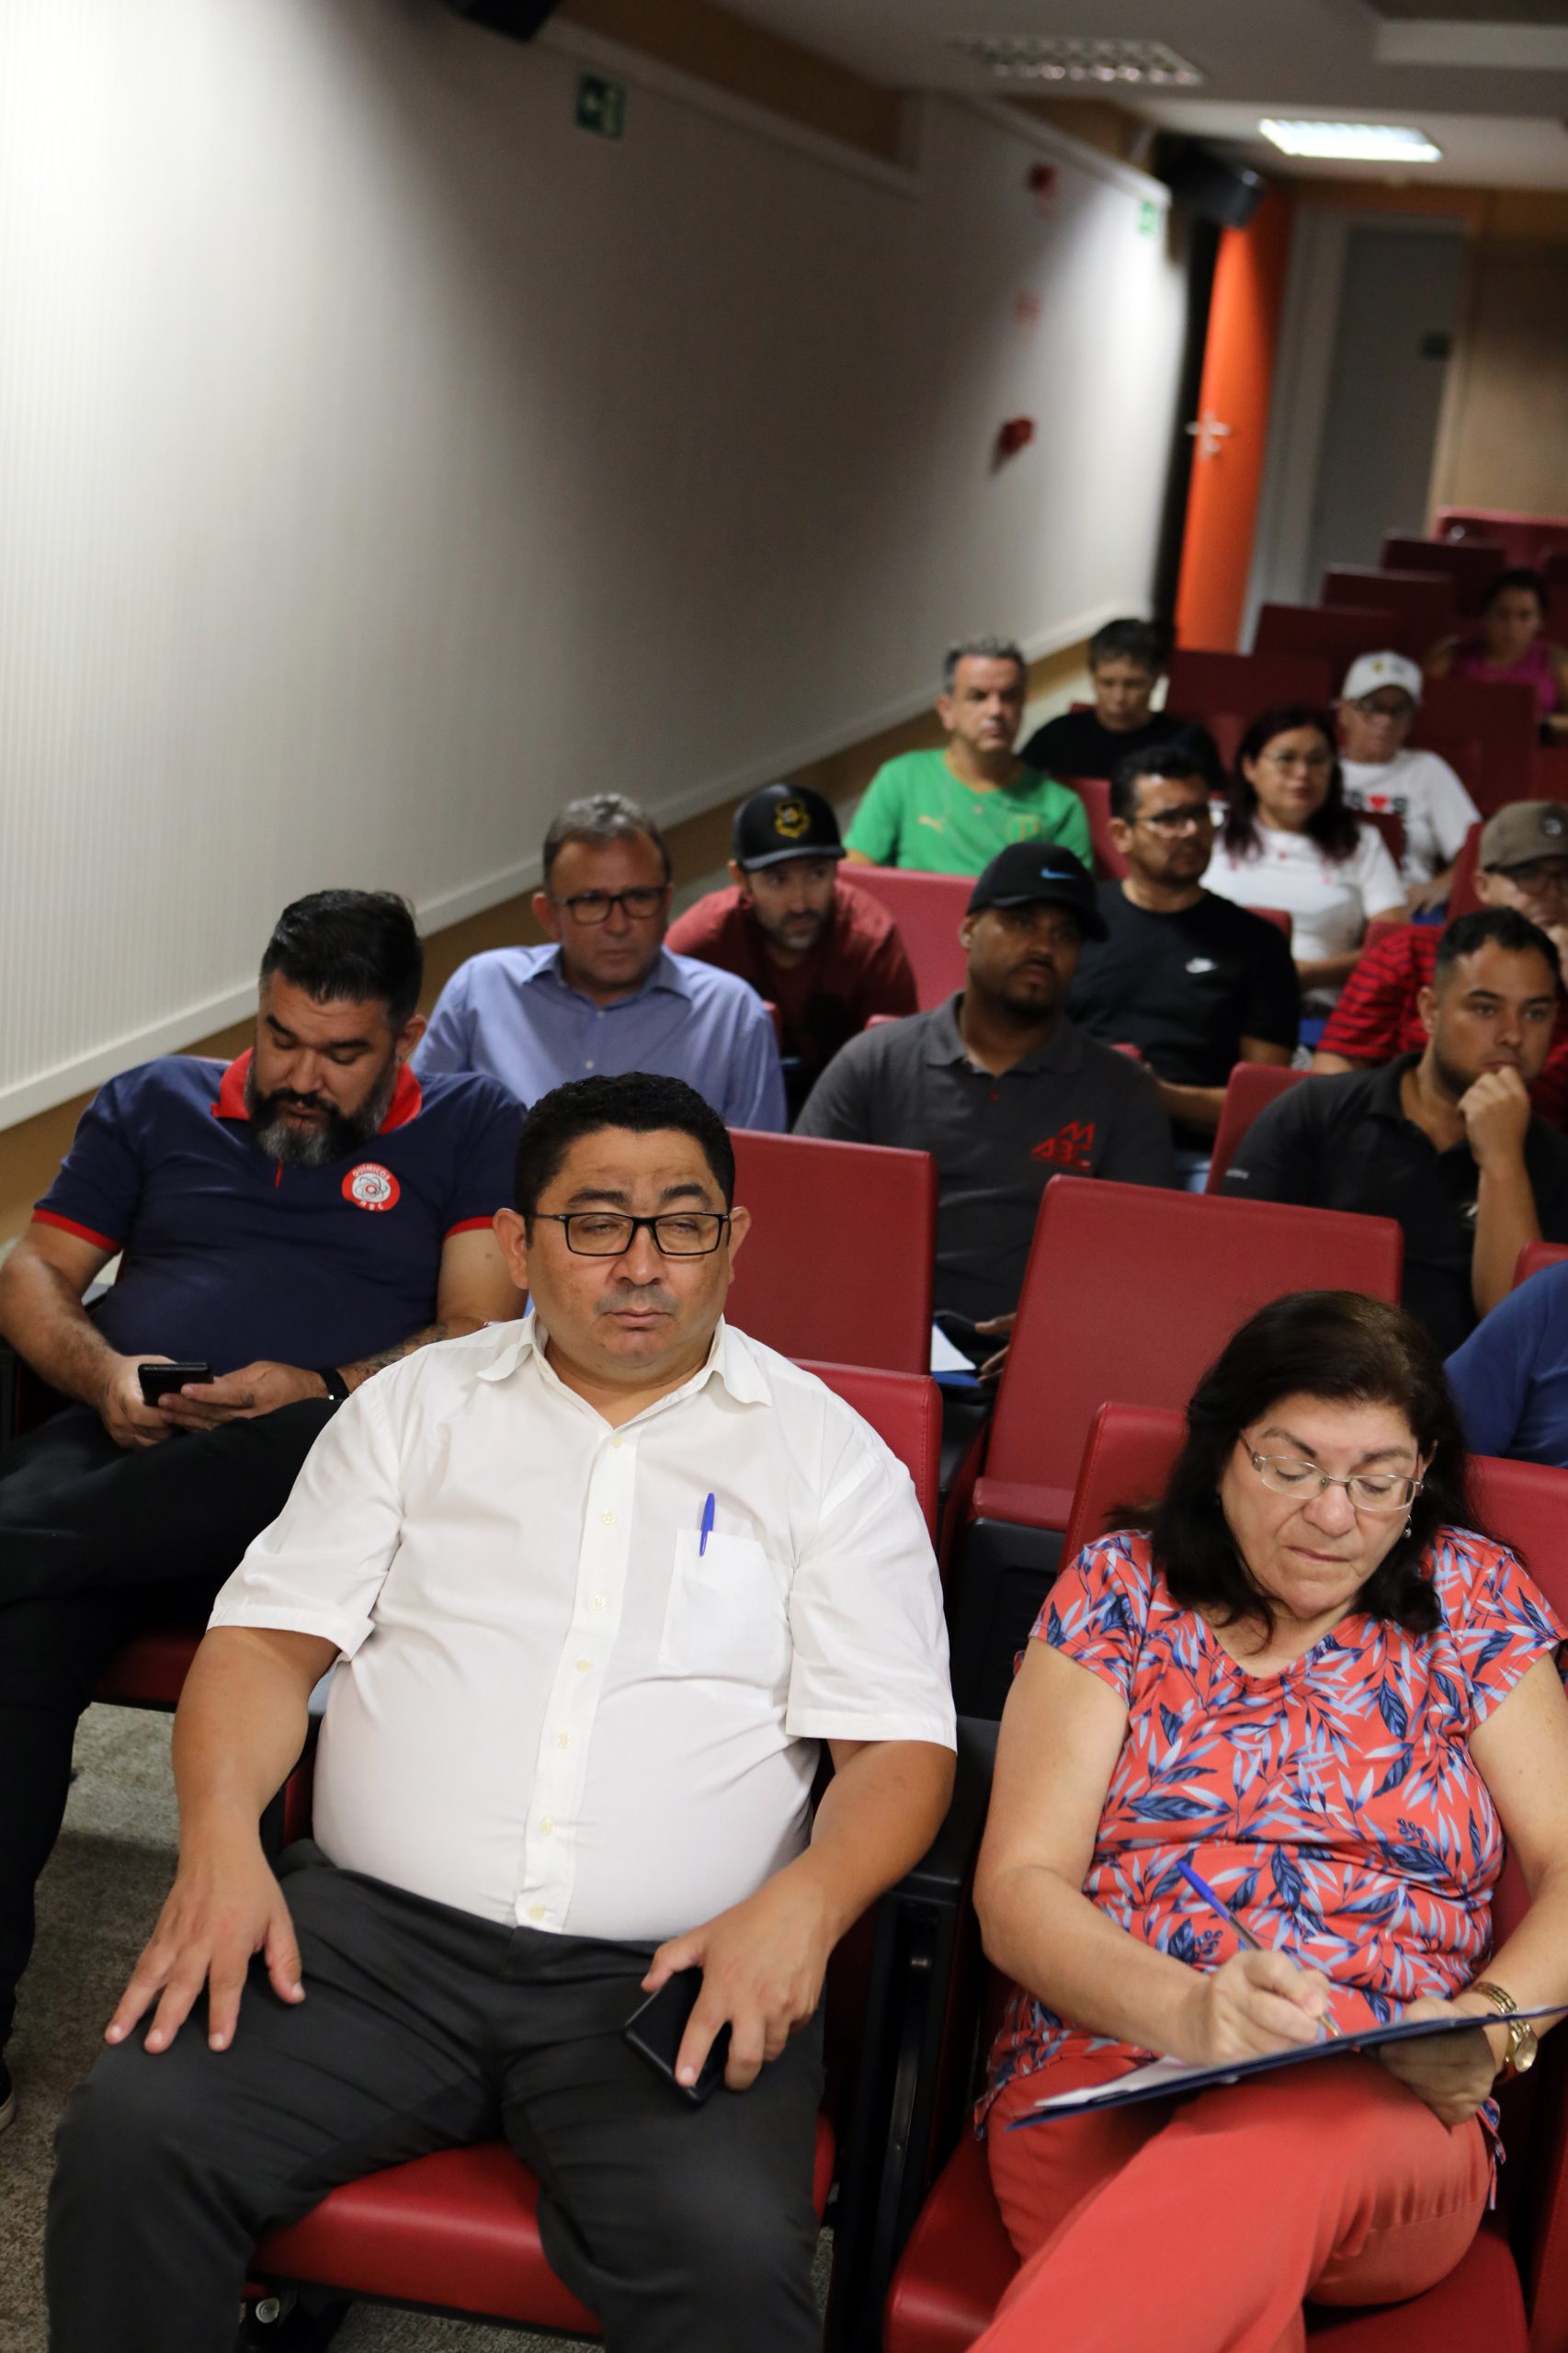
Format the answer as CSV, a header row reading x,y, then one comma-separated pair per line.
x,y
1238,380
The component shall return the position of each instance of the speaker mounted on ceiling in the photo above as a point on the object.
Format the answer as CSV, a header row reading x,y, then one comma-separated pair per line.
x,y
518,19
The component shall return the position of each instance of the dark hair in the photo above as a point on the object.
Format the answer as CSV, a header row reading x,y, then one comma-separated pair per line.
x,y
599,819
638,1099
351,945
980,649
1346,1349
1518,575
1333,826
1162,764
1492,928
1146,642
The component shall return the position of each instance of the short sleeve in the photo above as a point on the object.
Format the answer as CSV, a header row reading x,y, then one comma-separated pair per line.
x,y
1506,1625
1367,1024
1098,1611
99,1184
1272,1008
1453,810
874,829
1070,826
1377,876
483,1165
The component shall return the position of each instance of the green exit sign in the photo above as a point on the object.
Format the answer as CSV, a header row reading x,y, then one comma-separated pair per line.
x,y
601,105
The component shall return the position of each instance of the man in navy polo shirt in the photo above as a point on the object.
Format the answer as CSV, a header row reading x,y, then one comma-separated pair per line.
x,y
295,1222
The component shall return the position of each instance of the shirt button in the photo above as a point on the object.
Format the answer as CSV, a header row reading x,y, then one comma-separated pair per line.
x,y
546,1825
597,1602
608,1517
535,1912
563,1739
618,1441
584,1667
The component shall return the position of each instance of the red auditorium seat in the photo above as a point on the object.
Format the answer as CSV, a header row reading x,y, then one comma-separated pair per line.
x,y
1500,717
1249,1089
1094,791
458,2231
1203,684
958,2259
839,1260
927,909
1336,635
1423,599
1525,539
1549,772
1129,1293
1471,564
1535,1255
1464,898
1390,826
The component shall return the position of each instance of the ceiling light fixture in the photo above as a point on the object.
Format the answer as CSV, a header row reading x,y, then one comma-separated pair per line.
x,y
1352,143
1024,57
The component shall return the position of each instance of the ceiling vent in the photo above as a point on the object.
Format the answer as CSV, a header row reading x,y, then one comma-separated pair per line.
x,y
1049,57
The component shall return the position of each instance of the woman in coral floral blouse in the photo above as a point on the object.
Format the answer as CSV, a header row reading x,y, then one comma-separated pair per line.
x,y
1316,1681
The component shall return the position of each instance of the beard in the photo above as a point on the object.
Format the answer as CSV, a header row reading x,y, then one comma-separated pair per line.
x,y
338,1134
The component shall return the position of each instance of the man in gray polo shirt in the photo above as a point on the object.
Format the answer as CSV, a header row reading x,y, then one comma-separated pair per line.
x,y
998,1087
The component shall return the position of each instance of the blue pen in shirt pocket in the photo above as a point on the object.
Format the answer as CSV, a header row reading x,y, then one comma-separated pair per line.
x,y
705,1527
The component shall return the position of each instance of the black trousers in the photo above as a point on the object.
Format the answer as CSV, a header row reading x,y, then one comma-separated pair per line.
x,y
95,1545
686,2230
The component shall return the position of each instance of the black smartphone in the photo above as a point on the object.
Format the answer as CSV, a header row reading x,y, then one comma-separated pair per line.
x,y
655,2028
157,1379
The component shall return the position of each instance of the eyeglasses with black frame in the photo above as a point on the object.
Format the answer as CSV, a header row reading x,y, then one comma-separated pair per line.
x,y
1290,1474
608,1233
638,904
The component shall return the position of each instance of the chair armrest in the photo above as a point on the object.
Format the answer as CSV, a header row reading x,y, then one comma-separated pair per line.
x,y
920,2017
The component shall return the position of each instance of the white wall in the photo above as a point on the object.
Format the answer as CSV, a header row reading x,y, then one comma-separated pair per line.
x,y
383,460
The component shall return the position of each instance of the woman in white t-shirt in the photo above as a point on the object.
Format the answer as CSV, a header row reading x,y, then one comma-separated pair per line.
x,y
1289,841
1376,709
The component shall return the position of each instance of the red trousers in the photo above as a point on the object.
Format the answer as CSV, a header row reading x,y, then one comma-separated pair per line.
x,y
1200,2227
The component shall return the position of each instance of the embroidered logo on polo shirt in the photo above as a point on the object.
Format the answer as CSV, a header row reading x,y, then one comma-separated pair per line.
x,y
371,1186
1071,1147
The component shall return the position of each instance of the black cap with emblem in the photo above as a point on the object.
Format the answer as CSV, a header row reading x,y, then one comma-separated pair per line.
x,y
784,821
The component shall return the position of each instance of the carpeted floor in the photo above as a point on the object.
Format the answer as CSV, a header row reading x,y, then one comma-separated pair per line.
x,y
98,1901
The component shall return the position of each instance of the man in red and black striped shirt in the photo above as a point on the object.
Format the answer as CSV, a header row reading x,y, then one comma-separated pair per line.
x,y
1523,864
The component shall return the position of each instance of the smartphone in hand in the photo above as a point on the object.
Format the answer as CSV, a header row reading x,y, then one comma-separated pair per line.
x,y
157,1379
655,2028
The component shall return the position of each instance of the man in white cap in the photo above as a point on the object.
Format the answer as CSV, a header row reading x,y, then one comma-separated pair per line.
x,y
1384,776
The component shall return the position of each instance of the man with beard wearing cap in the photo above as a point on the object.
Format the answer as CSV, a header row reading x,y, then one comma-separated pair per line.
x,y
290,1225
828,956
1000,1088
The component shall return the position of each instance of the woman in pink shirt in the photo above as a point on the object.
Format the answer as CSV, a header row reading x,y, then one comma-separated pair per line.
x,y
1510,644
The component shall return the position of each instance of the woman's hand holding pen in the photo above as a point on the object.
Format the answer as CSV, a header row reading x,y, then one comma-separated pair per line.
x,y
1254,2003
1453,2073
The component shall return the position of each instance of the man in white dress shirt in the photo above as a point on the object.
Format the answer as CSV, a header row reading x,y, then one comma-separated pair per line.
x,y
601,1582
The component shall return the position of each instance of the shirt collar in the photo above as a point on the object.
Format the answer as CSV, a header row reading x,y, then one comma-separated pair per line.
x,y
732,1359
666,974
1062,1050
407,1097
1384,1100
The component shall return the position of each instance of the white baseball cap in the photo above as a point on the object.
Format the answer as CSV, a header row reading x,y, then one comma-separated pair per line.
x,y
1370,671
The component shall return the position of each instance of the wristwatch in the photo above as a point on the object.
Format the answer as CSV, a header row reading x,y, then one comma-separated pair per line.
x,y
1523,2046
336,1388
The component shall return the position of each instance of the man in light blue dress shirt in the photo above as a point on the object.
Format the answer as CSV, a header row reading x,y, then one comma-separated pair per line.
x,y
606,996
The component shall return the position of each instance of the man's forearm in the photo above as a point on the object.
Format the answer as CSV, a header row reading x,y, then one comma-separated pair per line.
x,y
240,1727
45,1321
1505,1220
878,1816
446,1328
1193,1107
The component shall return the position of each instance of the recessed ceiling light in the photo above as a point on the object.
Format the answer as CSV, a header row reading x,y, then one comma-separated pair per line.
x,y
1353,143
1024,57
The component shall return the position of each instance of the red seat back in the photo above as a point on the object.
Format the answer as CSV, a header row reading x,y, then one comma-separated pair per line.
x,y
1204,685
1554,572
1249,1089
1501,716
1126,1462
1535,1255
1389,826
838,1264
1336,635
1549,772
1464,898
906,1411
1281,917
1424,600
927,909
1132,1292
1094,791
1525,539
1472,565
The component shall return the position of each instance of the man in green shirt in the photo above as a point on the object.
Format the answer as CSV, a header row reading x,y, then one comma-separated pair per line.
x,y
951,811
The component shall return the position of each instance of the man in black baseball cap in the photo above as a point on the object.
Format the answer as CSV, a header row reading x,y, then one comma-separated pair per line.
x,y
828,956
1000,1087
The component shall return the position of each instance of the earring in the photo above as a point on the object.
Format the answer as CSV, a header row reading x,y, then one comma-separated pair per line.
x,y
1407,1528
